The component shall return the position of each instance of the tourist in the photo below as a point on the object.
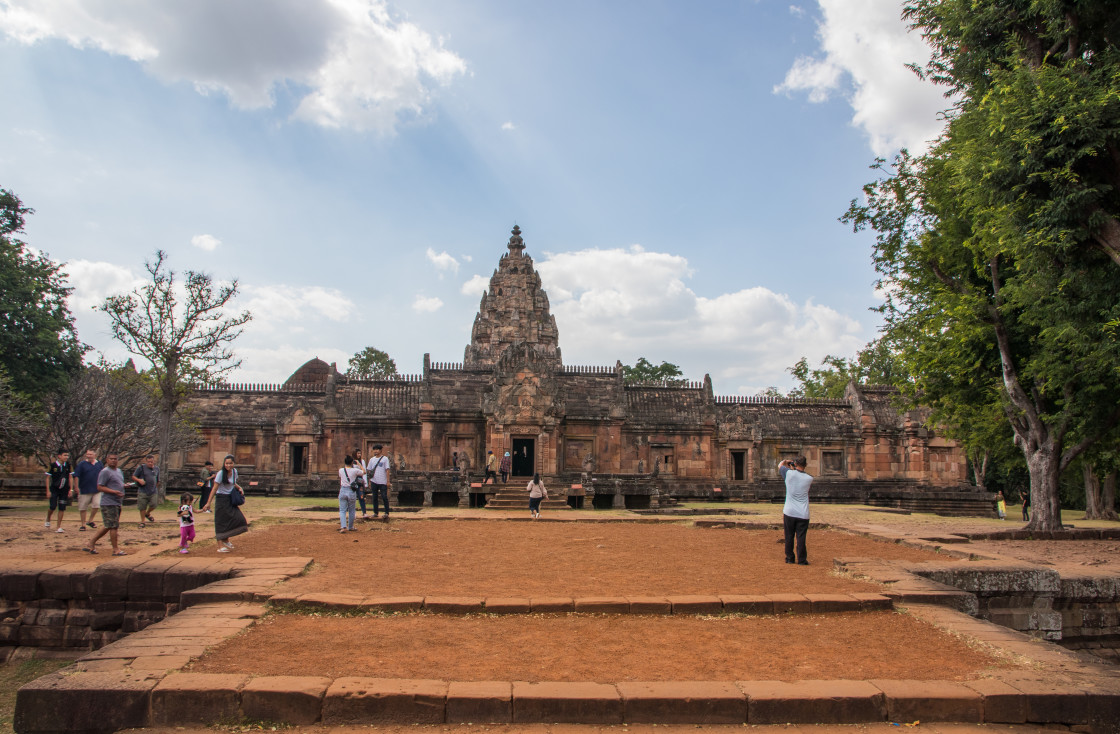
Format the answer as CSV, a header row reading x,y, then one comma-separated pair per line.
x,y
350,480
147,497
795,514
359,464
228,518
60,487
89,499
378,471
186,521
206,480
491,468
505,466
537,492
110,483
1025,498
1001,506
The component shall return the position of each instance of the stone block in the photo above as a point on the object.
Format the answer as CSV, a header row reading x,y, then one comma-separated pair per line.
x,y
1002,703
285,699
747,604
393,603
552,605
36,636
566,703
9,633
75,636
111,620
813,702
510,605
379,700
55,583
482,702
930,700
79,616
196,698
333,602
113,699
696,604
146,581
1053,702
873,602
650,605
790,603
109,582
683,702
19,584
51,617
453,604
1104,712
823,603
603,605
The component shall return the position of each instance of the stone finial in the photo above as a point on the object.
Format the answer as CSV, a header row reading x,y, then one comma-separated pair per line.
x,y
516,244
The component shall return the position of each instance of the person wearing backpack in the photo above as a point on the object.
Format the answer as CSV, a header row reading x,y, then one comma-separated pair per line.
x,y
351,481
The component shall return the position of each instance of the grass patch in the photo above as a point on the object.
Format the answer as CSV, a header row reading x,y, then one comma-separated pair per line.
x,y
15,674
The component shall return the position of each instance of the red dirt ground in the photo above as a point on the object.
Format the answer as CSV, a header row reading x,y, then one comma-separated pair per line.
x,y
602,648
512,558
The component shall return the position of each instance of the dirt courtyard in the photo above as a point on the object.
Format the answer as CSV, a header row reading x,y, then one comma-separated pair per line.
x,y
602,648
520,558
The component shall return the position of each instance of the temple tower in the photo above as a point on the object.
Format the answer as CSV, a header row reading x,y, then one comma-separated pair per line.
x,y
514,310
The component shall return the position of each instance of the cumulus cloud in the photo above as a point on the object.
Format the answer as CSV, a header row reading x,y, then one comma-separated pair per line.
x,y
426,305
260,363
356,65
205,242
289,309
797,10
477,285
865,47
508,126
442,261
627,302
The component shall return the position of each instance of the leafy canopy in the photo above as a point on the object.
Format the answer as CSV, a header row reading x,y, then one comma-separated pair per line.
x,y
646,371
39,347
371,364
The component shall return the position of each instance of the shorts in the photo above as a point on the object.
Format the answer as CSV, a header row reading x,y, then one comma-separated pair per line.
x,y
186,535
111,516
60,500
146,501
87,501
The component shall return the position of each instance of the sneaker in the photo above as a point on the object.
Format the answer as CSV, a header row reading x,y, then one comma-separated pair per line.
x,y
342,530
46,524
223,549
229,545
184,550
60,530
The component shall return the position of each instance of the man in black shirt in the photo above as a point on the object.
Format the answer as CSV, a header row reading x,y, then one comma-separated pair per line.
x,y
60,486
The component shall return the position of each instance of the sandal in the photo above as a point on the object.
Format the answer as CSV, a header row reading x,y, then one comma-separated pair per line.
x,y
90,550
143,525
119,553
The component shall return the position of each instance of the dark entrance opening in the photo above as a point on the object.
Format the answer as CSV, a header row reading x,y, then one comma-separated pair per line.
x,y
524,463
738,465
299,458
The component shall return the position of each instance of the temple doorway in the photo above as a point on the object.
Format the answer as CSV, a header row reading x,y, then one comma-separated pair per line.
x,y
299,458
524,461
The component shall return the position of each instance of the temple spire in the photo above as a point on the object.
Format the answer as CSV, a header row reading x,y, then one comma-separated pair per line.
x,y
516,244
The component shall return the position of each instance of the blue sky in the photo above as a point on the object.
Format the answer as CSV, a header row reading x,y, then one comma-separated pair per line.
x,y
677,168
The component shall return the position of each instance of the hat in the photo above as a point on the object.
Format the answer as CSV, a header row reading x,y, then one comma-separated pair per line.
x,y
507,453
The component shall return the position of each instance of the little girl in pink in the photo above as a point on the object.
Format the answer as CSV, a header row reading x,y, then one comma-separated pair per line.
x,y
186,521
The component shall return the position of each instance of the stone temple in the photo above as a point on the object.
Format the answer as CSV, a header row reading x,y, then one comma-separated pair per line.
x,y
596,439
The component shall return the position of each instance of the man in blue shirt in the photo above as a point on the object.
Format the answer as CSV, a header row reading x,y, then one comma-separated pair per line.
x,y
795,514
89,499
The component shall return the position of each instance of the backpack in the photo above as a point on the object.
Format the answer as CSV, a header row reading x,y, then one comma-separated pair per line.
x,y
356,483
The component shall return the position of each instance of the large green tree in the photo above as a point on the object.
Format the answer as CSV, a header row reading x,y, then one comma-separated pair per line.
x,y
39,348
371,364
875,364
645,371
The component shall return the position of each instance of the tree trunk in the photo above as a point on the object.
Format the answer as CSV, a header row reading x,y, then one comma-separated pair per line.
x,y
1108,497
1092,492
1043,464
979,470
164,449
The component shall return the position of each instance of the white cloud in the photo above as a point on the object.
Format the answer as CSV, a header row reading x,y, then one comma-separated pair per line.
x,y
476,286
358,65
866,43
288,309
95,281
797,10
261,364
205,242
508,125
426,305
626,303
443,261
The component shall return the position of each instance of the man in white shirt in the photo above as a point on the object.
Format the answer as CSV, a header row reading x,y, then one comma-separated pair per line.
x,y
378,469
795,514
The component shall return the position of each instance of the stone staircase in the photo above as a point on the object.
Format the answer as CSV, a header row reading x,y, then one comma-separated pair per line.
x,y
514,496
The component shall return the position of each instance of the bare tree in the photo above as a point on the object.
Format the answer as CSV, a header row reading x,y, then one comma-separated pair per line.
x,y
111,409
185,343
21,424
